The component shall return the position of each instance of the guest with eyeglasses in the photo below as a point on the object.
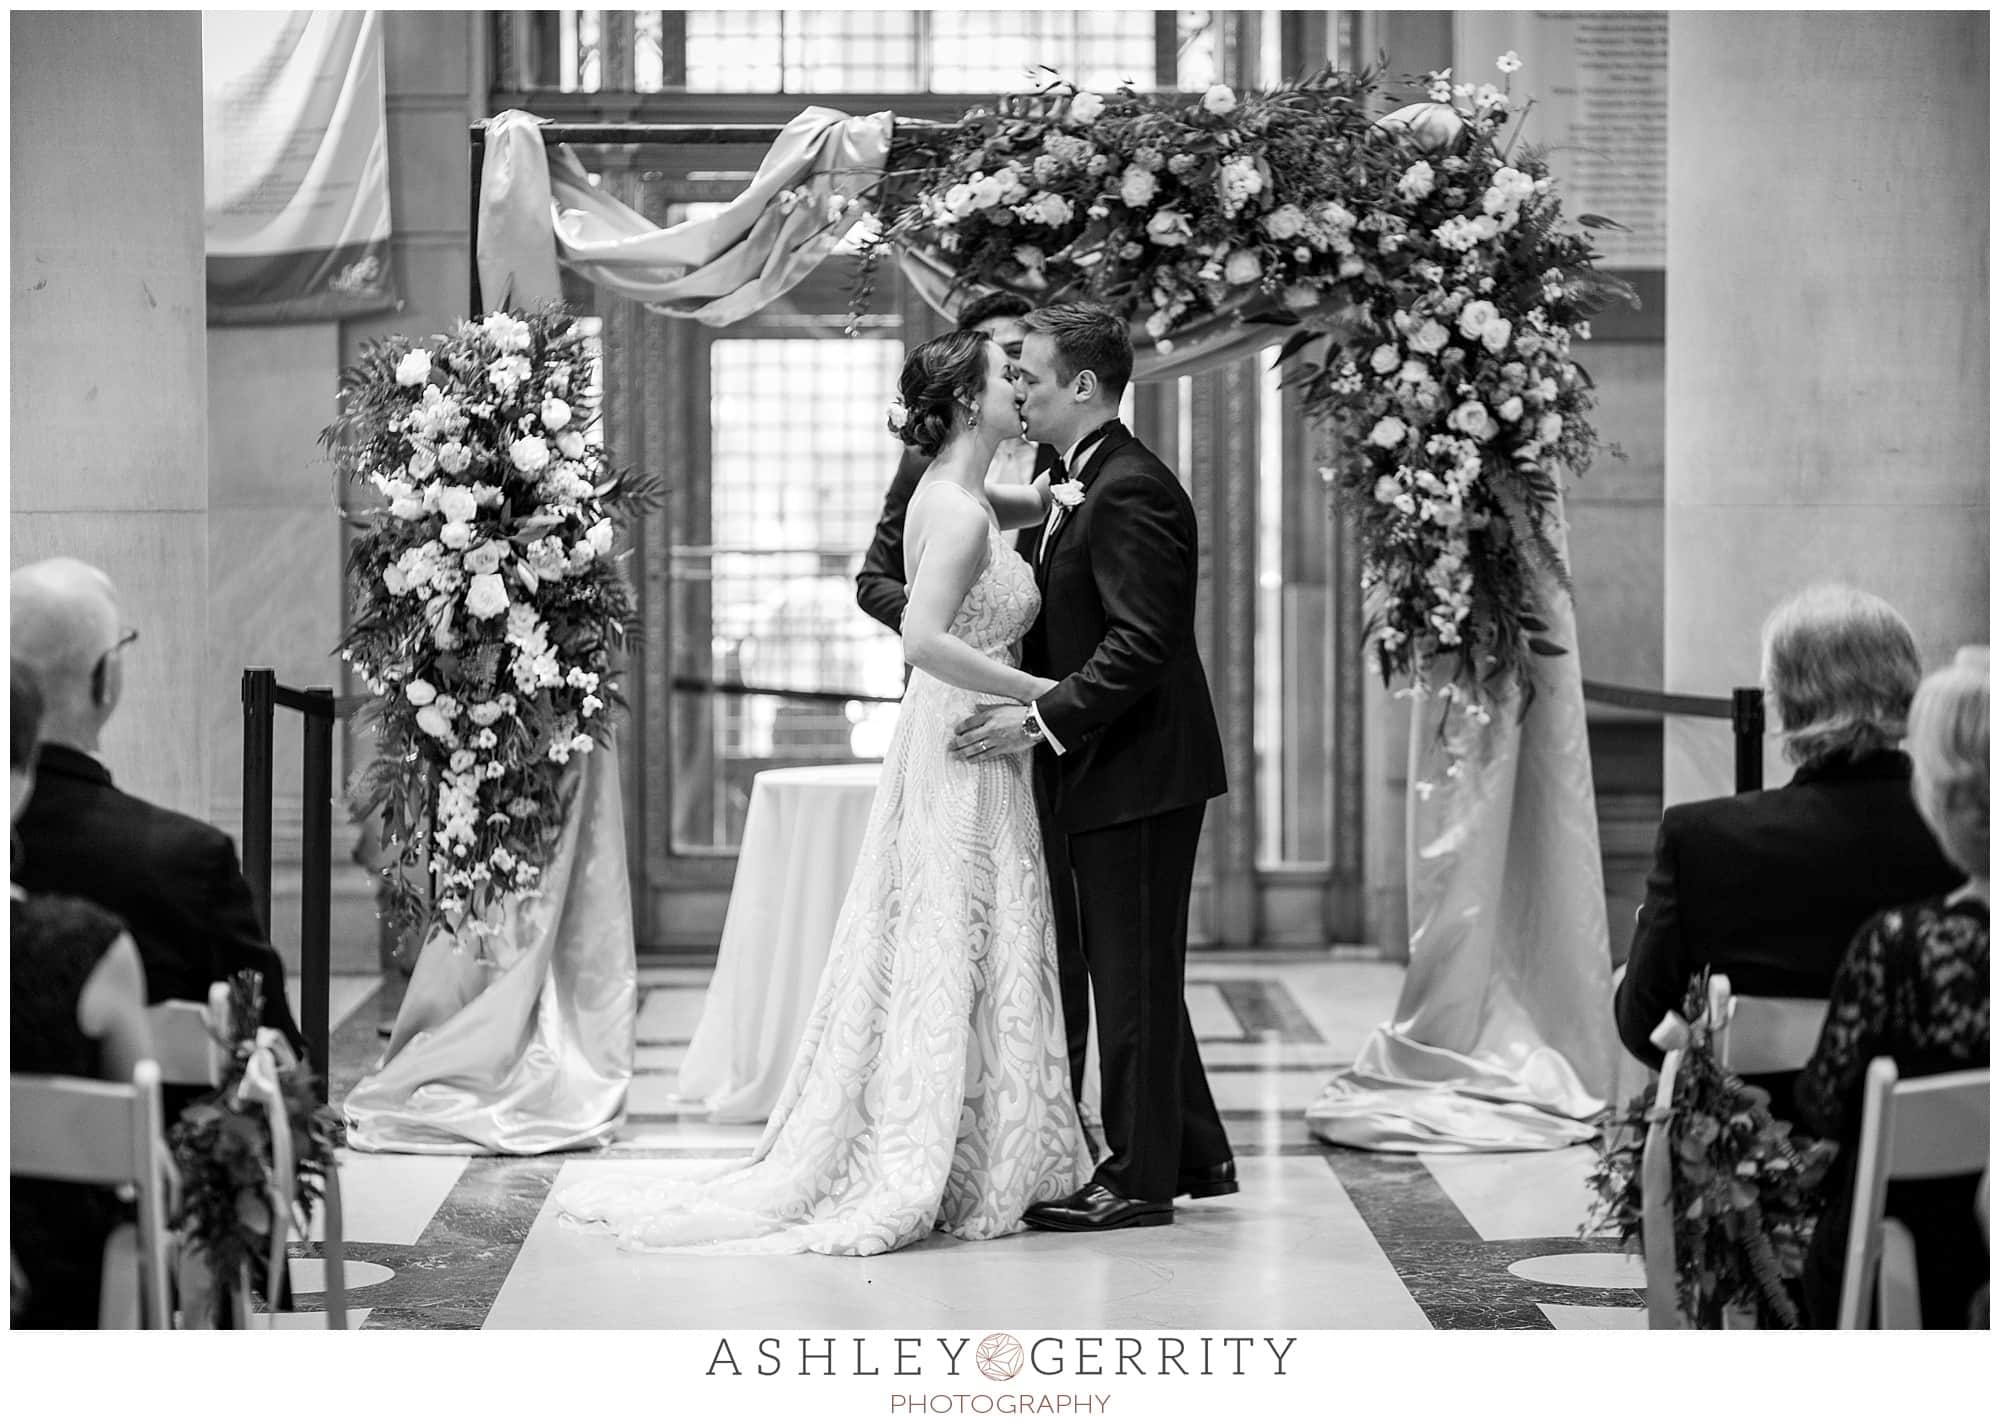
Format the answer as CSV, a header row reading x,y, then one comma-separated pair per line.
x,y
174,880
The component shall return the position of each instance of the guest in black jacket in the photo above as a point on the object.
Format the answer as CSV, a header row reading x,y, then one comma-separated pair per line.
x,y
174,880
879,586
1770,887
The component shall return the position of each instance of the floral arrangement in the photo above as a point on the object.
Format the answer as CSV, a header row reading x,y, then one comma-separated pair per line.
x,y
487,603
1432,293
1745,1195
222,1149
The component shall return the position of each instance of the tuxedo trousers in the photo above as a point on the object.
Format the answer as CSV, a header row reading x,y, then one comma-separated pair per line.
x,y
1072,974
1132,883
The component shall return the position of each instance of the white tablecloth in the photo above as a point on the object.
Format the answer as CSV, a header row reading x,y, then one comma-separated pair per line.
x,y
800,839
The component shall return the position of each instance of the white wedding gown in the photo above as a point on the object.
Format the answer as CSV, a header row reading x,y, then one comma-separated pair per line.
x,y
931,1089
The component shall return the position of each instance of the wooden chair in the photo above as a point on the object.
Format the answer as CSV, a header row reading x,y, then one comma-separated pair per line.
x,y
1764,1035
190,1044
190,1040
94,1132
1933,1127
1656,1205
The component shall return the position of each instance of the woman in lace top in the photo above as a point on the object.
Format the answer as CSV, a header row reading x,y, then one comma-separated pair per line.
x,y
1915,986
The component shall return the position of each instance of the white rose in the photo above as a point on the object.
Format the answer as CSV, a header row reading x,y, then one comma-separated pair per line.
x,y
1386,489
456,536
1471,419
1085,108
1219,99
600,535
414,368
1138,187
420,692
1169,229
1284,223
1417,182
485,558
1388,432
454,457
1551,427
1244,267
1384,359
487,596
1429,338
1477,315
408,509
1497,333
394,580
570,444
1511,409
958,199
432,722
529,455
555,414
458,505
506,332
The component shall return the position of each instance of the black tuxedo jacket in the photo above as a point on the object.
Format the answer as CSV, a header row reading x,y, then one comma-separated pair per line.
x,y
173,879
1116,629
881,585
1769,888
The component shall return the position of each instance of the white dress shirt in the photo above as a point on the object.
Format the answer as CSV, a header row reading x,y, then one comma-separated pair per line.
x,y
1055,510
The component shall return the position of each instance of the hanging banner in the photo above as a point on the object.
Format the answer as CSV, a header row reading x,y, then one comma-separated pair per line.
x,y
297,165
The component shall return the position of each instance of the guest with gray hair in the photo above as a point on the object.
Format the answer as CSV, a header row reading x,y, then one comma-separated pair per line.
x,y
1770,887
1916,985
174,880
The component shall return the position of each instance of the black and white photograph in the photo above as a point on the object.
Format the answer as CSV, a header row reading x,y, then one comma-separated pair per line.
x,y
1028,711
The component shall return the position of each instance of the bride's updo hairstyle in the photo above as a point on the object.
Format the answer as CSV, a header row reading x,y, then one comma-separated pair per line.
x,y
937,375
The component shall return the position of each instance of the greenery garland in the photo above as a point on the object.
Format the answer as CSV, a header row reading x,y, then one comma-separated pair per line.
x,y
1430,290
1745,1195
222,1149
487,605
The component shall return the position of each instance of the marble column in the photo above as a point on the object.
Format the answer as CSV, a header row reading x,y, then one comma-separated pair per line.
x,y
1827,349
109,437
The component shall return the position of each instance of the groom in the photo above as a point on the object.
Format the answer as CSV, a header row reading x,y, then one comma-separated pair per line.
x,y
1130,754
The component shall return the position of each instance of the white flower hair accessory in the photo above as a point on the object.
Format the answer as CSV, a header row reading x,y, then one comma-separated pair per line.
x,y
1069,493
899,415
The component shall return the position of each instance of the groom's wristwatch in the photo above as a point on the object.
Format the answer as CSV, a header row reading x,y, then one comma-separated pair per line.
x,y
1031,726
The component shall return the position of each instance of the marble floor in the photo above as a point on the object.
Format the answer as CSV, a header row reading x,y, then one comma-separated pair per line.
x,y
1319,1238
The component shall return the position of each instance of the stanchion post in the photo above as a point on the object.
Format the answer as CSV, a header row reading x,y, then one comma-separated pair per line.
x,y
316,883
1746,715
259,685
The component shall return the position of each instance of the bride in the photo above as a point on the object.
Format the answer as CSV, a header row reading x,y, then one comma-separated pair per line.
x,y
932,1086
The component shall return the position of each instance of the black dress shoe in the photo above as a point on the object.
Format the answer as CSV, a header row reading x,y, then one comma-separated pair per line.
x,y
1095,1208
1211,1182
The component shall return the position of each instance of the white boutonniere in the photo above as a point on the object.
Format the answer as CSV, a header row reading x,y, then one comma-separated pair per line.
x,y
1068,494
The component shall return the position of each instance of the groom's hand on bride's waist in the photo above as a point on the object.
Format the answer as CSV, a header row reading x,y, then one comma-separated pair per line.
x,y
994,731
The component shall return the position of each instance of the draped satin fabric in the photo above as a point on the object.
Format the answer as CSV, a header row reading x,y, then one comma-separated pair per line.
x,y
538,209
1503,1037
532,1053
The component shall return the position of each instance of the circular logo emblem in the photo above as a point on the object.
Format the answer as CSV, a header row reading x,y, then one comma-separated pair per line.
x,y
999,1357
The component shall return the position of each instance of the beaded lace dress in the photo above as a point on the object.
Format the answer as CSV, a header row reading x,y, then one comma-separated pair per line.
x,y
931,1088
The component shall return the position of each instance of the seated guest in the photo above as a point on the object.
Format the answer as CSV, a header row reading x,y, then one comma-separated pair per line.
x,y
879,586
1770,887
77,1006
174,880
1916,986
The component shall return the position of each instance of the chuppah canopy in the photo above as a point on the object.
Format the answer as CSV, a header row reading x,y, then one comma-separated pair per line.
x,y
538,211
